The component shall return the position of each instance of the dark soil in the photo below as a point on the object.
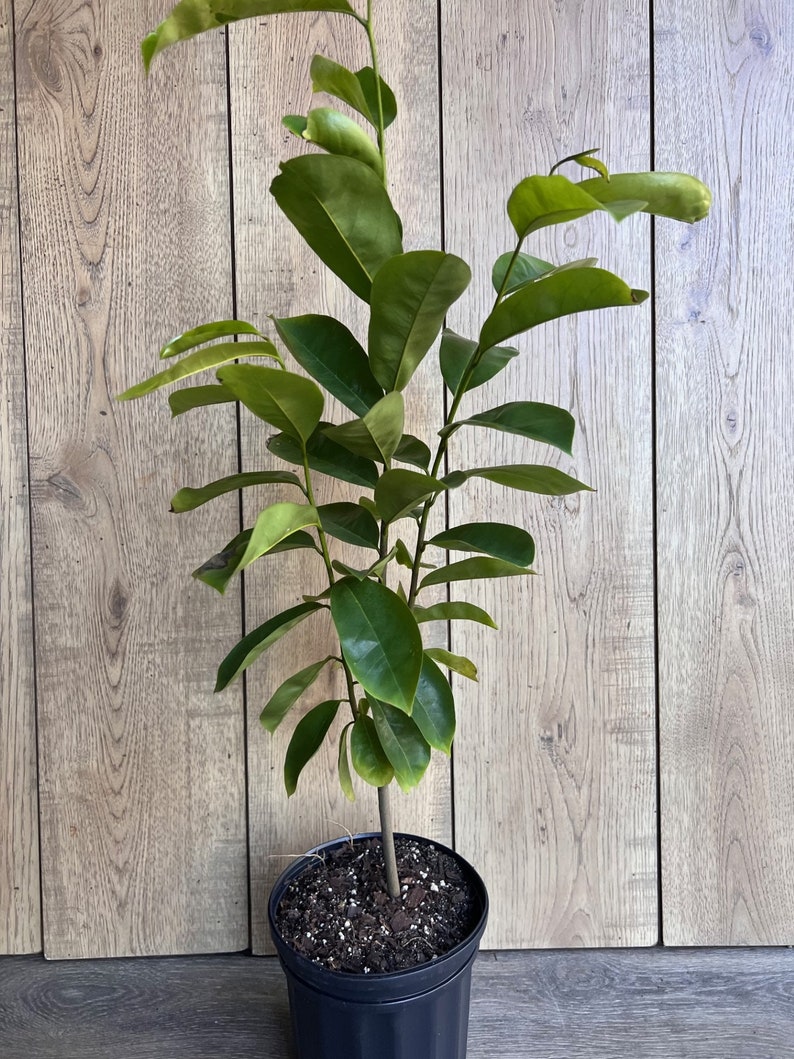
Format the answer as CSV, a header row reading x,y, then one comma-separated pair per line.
x,y
339,914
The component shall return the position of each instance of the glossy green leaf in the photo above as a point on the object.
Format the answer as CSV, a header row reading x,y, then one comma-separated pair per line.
x,y
397,492
457,663
523,269
343,765
191,17
403,743
412,450
531,478
410,297
677,195
369,760
296,123
350,523
252,646
454,611
343,212
287,401
434,707
285,696
326,457
274,524
197,336
369,86
193,363
456,355
539,201
510,543
528,419
358,89
188,499
191,397
310,731
338,134
380,640
570,291
332,355
377,434
473,569
402,555
220,568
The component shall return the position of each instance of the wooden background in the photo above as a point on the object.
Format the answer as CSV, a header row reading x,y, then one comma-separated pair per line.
x,y
636,701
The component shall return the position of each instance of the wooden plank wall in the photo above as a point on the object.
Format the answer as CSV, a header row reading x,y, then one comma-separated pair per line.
x,y
126,219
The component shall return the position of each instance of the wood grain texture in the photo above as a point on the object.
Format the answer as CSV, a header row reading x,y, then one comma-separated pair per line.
x,y
125,222
276,273
20,899
554,763
656,1003
725,457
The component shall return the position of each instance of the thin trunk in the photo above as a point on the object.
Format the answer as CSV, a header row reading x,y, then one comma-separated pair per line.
x,y
387,835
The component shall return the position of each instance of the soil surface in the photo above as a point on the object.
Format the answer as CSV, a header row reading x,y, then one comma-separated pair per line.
x,y
338,913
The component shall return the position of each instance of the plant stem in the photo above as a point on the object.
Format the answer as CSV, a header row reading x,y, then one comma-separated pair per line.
x,y
379,95
387,836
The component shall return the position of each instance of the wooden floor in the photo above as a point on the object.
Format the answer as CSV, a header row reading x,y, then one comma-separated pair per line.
x,y
629,1004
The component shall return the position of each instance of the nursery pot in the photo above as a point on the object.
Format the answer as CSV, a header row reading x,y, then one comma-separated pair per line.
x,y
418,1013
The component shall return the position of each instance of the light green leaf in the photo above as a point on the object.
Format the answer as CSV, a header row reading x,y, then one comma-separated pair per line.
x,y
586,160
473,569
350,523
403,743
529,419
285,697
197,336
287,401
193,363
531,478
397,492
523,268
189,499
677,195
380,639
410,297
273,525
358,90
251,646
434,707
191,397
454,611
343,212
338,134
457,353
571,291
369,760
457,663
377,434
510,543
331,354
539,201
310,731
326,457
343,764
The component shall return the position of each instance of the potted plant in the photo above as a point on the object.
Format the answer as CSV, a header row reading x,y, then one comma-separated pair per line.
x,y
407,914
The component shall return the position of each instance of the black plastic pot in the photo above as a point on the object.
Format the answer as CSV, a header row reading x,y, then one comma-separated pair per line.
x,y
420,1013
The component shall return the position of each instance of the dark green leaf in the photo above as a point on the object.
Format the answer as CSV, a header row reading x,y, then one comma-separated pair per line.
x,y
531,478
410,297
343,764
366,78
412,450
310,731
677,195
473,569
525,269
510,543
402,555
403,743
343,212
285,697
326,457
380,639
369,760
338,134
563,293
397,492
189,499
350,523
456,355
218,571
434,707
454,611
331,354
539,201
457,663
529,419
193,363
197,336
377,434
251,646
287,401
198,397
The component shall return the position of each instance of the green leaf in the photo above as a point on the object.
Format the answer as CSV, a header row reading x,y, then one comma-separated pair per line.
x,y
471,570
454,611
456,354
193,363
366,78
377,434
273,525
539,201
296,124
677,195
331,354
326,457
310,731
571,291
410,297
586,160
457,663
529,419
285,697
510,543
525,269
338,134
343,764
397,492
350,523
358,90
402,555
189,499
380,640
531,478
191,17
434,707
403,743
412,450
191,397
197,336
343,212
287,401
251,646
369,760
219,569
